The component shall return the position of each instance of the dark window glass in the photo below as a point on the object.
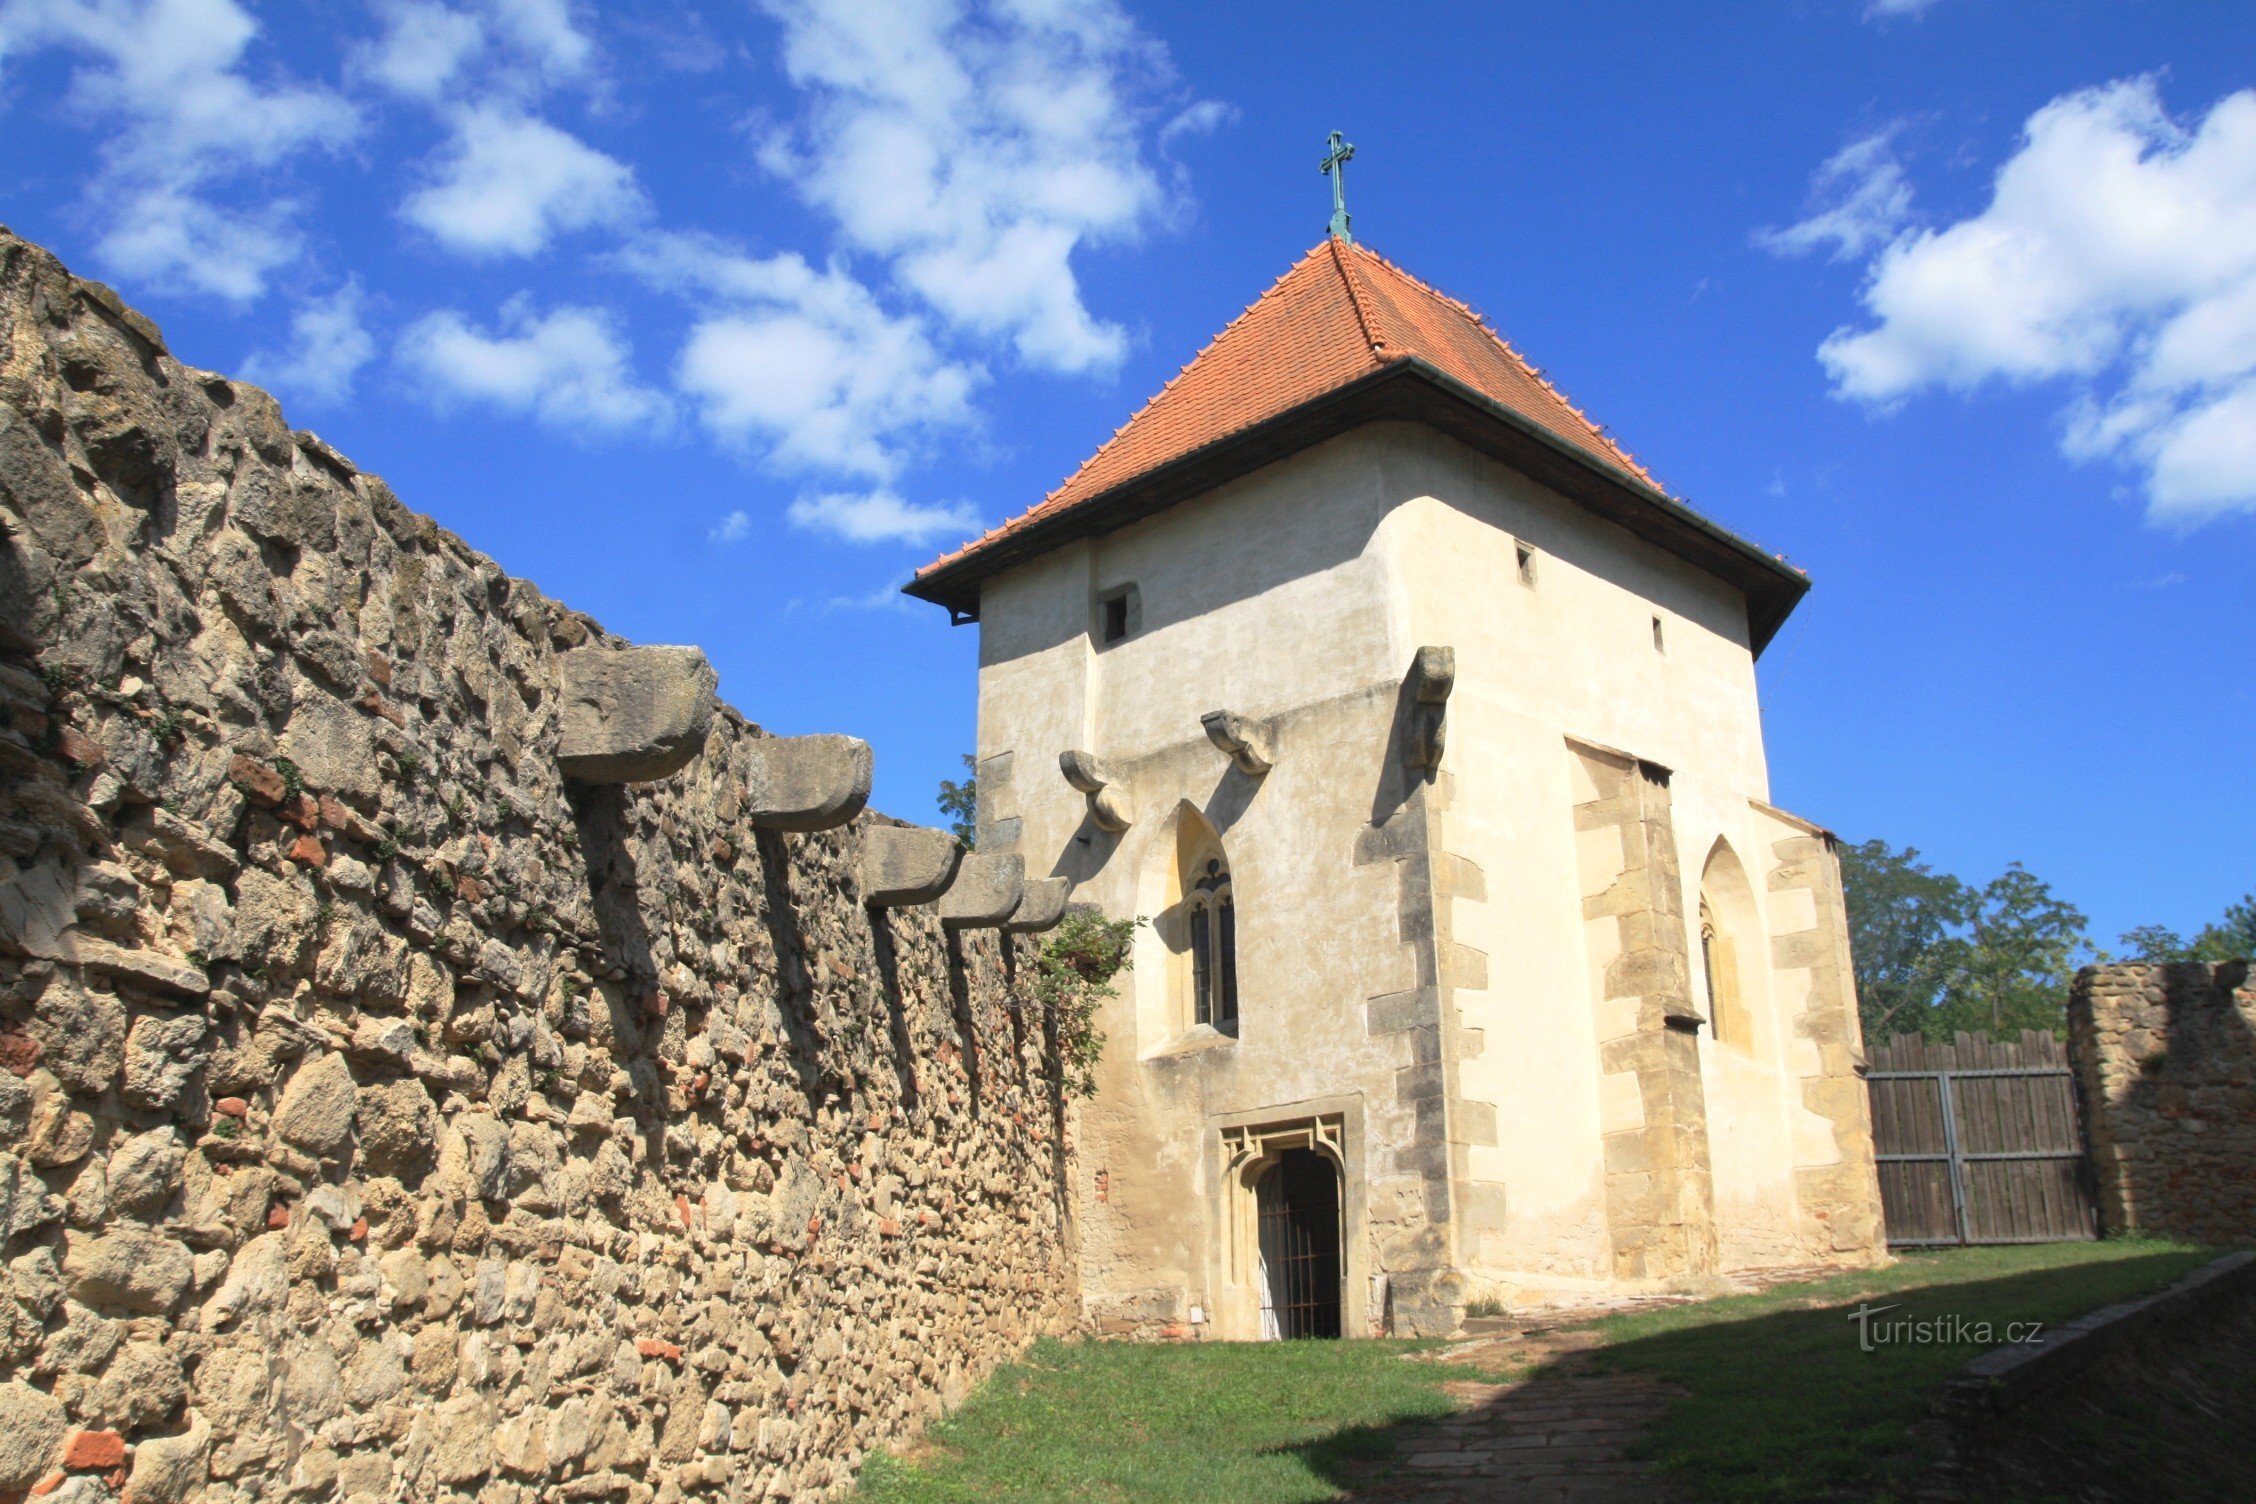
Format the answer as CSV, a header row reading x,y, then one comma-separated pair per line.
x,y
1226,958
1116,618
1202,975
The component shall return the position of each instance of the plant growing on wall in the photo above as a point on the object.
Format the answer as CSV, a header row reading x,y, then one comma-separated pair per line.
x,y
1073,975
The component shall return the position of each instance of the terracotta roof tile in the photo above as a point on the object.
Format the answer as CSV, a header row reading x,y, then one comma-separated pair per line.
x,y
1340,313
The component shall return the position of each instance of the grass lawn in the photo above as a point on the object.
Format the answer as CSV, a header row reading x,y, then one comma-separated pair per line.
x,y
1785,1406
1781,1405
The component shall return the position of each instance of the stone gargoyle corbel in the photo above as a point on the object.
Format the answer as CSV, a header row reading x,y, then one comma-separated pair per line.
x,y
1433,673
907,864
987,891
1108,802
1041,908
807,782
634,714
1246,740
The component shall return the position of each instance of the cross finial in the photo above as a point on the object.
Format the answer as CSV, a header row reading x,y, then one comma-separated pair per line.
x,y
1334,166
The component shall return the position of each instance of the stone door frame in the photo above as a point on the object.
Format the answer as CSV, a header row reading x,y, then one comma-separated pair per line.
x,y
1246,1145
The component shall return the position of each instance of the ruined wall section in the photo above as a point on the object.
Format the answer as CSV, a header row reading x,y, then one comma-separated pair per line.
x,y
383,1116
2165,1062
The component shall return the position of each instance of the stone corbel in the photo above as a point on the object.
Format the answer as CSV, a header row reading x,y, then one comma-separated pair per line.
x,y
1247,741
906,864
808,782
1041,908
1433,674
986,892
1108,802
631,715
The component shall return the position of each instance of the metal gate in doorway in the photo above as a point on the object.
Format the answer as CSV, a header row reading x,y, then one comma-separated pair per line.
x,y
1297,1202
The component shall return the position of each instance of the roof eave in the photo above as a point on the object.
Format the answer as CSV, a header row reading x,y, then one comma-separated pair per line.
x,y
1407,388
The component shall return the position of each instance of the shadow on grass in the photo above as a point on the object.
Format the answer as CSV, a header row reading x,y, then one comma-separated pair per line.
x,y
1757,1397
1763,1397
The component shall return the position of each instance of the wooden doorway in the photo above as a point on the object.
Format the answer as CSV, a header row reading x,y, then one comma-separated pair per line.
x,y
1297,1204
1979,1141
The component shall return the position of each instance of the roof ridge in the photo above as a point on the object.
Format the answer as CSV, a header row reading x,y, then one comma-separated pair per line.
x,y
1371,335
1534,374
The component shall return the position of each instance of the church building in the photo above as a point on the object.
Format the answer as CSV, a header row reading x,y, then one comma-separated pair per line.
x,y
1420,723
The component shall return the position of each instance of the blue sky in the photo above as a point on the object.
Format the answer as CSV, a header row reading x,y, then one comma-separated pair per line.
x,y
717,319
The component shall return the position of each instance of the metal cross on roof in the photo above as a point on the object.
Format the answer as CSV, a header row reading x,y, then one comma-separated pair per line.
x,y
1334,166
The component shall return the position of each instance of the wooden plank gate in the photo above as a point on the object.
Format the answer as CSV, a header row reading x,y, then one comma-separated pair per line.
x,y
1979,1141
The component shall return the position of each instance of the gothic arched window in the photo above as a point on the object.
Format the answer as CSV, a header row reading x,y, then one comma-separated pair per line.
x,y
1213,919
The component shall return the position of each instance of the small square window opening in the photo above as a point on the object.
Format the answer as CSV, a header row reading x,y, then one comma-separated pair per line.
x,y
1118,614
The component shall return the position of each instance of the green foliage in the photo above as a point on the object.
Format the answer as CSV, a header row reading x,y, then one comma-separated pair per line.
x,y
169,729
1934,955
410,764
293,781
2231,938
1073,975
960,803
388,847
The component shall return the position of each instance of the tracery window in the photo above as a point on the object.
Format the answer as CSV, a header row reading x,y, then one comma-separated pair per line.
x,y
1212,911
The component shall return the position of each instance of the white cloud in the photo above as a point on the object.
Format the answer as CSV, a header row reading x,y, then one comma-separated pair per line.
x,y
511,182
977,146
424,47
2117,252
511,47
804,363
168,78
1859,199
886,597
328,346
734,528
1881,9
881,517
569,368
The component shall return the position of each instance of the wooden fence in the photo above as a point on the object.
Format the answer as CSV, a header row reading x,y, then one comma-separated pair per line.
x,y
1979,1141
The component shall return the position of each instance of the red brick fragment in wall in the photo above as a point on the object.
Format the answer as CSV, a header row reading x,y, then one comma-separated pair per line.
x,y
334,814
310,851
233,1107
256,779
651,1347
380,668
93,1451
304,812
19,1054
277,1217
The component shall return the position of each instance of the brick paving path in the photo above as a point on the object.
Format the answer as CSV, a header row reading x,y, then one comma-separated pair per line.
x,y
1558,1435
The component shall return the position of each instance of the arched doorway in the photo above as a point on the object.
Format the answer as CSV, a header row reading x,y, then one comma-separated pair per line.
x,y
1297,1203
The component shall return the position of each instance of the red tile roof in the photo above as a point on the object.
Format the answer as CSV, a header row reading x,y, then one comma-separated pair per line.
x,y
1341,313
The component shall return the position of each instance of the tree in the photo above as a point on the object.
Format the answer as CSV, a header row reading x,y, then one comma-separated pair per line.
x,y
1904,919
2025,943
1934,955
2231,938
960,802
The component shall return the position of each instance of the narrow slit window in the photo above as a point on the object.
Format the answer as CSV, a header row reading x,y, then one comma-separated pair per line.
x,y
1660,641
1119,614
1527,564
1202,967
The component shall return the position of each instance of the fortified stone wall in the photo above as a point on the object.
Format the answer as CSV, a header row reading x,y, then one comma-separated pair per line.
x,y
2166,1062
386,1115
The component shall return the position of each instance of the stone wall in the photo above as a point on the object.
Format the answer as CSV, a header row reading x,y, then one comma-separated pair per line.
x,y
2165,1061
386,1116
1660,1192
